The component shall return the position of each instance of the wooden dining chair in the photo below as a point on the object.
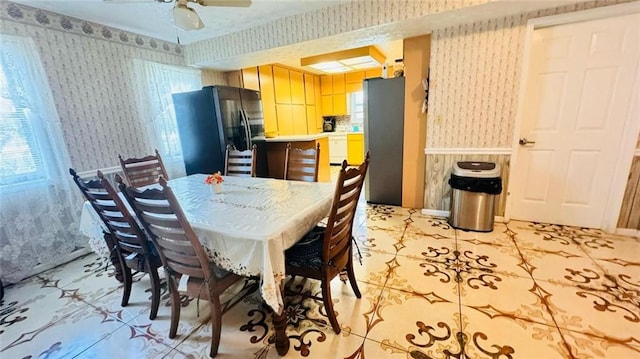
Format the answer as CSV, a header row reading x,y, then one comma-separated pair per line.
x,y
131,244
325,252
240,163
181,253
301,165
140,172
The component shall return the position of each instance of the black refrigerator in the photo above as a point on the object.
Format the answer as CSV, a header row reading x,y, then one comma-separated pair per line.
x,y
383,138
211,118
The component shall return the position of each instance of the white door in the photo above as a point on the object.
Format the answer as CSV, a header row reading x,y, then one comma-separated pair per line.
x,y
577,99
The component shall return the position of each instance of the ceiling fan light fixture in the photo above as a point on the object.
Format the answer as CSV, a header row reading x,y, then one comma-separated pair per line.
x,y
185,18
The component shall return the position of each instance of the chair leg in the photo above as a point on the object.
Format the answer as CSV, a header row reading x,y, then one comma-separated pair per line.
x,y
175,305
155,292
328,305
126,276
216,323
352,278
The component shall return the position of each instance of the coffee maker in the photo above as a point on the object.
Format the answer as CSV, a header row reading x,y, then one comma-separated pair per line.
x,y
329,124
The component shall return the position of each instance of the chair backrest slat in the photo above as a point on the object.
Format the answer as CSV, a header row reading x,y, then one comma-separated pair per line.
x,y
301,165
114,214
336,246
140,172
178,246
240,163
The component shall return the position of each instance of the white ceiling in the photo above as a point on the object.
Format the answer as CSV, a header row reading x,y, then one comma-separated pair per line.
x,y
153,19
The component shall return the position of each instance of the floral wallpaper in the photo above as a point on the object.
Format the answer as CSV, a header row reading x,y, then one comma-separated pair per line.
x,y
475,79
90,72
211,77
322,23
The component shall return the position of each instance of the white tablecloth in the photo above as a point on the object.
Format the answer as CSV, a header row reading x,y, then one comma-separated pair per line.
x,y
248,226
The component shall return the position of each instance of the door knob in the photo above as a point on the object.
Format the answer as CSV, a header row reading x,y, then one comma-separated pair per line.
x,y
523,141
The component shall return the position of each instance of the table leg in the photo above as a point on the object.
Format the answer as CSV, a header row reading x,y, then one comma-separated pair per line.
x,y
280,326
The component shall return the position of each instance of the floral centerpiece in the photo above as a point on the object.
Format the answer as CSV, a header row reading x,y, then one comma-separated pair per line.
x,y
215,180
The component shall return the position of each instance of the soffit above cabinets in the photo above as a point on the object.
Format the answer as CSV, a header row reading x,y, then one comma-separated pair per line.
x,y
346,60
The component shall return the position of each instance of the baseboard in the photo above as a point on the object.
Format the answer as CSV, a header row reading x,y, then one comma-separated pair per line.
x,y
69,257
435,212
441,213
628,232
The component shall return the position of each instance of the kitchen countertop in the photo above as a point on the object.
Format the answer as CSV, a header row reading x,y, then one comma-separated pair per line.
x,y
293,138
344,133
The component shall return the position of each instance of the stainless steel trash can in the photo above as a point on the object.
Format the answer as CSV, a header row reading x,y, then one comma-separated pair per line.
x,y
474,188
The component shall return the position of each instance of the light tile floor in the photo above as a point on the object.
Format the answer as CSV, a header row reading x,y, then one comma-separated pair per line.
x,y
525,290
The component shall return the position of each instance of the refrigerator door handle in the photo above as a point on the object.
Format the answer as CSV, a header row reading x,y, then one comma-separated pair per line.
x,y
249,134
245,124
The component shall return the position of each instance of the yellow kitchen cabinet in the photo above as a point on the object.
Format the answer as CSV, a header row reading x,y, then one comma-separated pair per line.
x,y
353,87
282,85
326,85
297,87
355,148
316,88
373,73
340,104
338,84
250,78
299,114
285,120
327,105
354,77
309,89
311,120
268,99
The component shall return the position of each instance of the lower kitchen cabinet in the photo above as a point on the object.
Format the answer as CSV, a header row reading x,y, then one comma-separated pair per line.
x,y
355,148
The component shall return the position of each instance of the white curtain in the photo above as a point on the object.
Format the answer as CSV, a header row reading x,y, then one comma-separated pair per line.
x,y
155,84
39,207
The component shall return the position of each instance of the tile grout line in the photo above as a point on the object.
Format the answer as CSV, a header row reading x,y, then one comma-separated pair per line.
x,y
512,235
384,286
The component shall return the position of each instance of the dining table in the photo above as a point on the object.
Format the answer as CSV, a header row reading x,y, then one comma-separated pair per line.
x,y
245,229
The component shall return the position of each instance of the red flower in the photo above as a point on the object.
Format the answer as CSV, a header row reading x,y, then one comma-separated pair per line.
x,y
214,178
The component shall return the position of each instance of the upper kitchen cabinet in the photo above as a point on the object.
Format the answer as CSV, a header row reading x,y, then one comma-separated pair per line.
x,y
282,85
334,98
309,89
326,85
373,73
268,98
296,79
353,81
318,98
290,98
250,78
338,83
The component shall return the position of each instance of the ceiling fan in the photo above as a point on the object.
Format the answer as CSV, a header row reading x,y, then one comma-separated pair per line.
x,y
186,18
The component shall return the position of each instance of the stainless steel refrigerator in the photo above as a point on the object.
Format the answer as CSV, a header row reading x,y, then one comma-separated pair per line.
x,y
383,137
211,118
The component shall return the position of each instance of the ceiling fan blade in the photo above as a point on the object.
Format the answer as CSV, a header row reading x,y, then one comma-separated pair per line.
x,y
227,3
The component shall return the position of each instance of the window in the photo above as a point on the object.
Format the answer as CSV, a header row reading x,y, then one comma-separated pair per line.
x,y
156,83
356,107
21,151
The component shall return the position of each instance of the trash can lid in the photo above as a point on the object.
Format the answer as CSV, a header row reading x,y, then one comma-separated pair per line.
x,y
476,169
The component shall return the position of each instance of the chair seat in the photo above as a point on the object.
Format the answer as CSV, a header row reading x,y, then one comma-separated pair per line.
x,y
307,253
137,263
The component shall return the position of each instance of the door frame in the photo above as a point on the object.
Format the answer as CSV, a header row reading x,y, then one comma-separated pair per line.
x,y
631,128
